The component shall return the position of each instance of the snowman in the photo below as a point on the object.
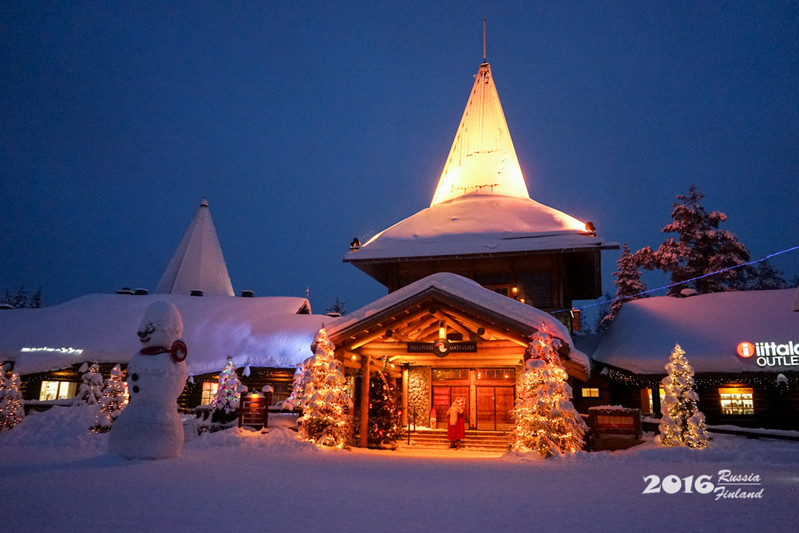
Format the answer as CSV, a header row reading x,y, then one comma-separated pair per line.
x,y
150,427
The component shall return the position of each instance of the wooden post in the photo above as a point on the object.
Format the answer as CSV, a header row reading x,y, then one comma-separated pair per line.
x,y
404,421
365,362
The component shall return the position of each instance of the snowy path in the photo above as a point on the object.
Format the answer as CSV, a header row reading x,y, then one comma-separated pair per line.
x,y
57,478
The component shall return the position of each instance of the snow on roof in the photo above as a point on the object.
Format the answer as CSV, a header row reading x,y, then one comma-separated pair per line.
x,y
481,204
482,158
198,263
527,318
265,332
708,327
480,224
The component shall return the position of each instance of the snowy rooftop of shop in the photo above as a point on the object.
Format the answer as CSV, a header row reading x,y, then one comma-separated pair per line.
x,y
708,327
264,331
477,296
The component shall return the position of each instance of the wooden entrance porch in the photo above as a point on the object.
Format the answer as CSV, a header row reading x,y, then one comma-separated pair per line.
x,y
441,344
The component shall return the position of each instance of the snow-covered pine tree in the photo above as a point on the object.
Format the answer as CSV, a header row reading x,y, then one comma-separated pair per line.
x,y
327,407
683,424
112,402
298,386
546,421
628,285
227,396
384,416
91,390
700,248
11,410
766,276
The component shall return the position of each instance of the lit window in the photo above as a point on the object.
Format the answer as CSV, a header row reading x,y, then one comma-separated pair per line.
x,y
646,399
590,392
57,390
736,401
209,389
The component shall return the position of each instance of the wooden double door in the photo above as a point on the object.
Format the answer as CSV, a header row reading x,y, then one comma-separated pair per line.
x,y
494,405
443,396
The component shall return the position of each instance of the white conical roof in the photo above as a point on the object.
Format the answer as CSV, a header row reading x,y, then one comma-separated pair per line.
x,y
482,159
198,263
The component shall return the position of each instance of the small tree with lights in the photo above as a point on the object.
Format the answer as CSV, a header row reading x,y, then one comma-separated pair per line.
x,y
327,407
112,402
11,410
683,424
298,386
546,422
226,398
384,416
91,390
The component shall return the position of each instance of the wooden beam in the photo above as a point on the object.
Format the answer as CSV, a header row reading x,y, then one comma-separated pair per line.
x,y
404,404
413,331
367,339
453,323
365,402
519,338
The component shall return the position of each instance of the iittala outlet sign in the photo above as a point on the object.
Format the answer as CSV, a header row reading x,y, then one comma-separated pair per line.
x,y
770,353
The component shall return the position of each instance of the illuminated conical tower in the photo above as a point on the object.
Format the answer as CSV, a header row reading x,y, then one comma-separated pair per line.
x,y
482,223
198,263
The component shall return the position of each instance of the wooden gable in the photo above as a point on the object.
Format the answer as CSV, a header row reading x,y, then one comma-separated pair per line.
x,y
477,336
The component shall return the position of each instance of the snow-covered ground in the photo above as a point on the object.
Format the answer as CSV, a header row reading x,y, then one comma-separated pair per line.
x,y
58,477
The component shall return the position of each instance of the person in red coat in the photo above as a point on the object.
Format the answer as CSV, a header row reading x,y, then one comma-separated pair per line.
x,y
455,422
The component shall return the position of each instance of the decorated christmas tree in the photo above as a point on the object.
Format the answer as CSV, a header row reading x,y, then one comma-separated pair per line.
x,y
91,390
384,416
683,424
112,402
11,411
298,386
326,405
226,398
546,422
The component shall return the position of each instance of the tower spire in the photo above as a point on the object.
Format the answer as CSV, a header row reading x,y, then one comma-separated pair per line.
x,y
484,39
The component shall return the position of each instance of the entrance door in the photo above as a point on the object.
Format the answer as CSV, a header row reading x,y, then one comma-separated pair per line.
x,y
443,396
494,406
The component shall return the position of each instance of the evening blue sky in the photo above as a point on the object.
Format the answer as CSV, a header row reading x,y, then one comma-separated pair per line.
x,y
306,124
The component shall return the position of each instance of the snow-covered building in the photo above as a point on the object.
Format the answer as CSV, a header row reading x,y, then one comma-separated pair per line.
x,y
268,336
445,337
482,223
526,261
743,347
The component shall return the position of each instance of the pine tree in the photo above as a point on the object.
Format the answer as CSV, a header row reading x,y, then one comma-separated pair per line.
x,y
766,276
546,422
227,396
628,283
36,300
297,387
326,417
683,424
20,300
384,416
112,402
91,390
11,410
699,249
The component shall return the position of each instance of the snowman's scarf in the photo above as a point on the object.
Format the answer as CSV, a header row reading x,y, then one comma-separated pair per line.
x,y
458,406
155,350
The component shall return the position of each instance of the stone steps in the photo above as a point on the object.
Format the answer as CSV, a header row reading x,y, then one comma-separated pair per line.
x,y
433,439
